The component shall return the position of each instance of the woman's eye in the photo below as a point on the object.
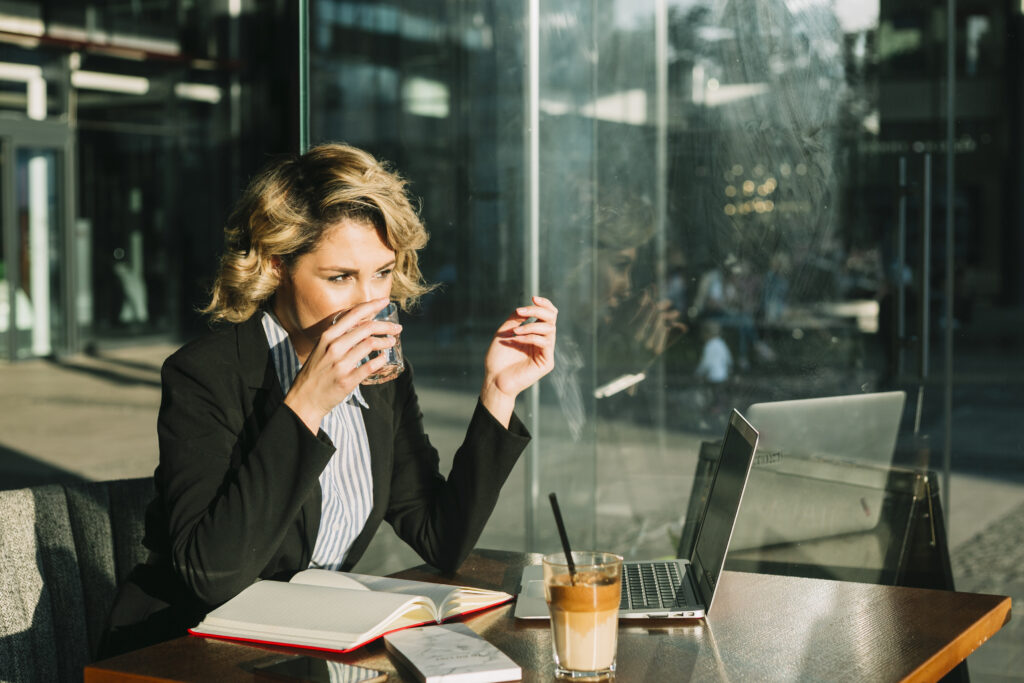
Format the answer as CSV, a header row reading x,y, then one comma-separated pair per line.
x,y
345,277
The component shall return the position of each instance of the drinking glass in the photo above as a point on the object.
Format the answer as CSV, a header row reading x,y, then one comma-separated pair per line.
x,y
395,362
584,609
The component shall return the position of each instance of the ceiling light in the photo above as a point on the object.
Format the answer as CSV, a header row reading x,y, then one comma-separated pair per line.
x,y
22,73
94,80
200,92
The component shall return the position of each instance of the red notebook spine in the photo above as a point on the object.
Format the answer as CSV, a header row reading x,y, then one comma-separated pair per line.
x,y
353,647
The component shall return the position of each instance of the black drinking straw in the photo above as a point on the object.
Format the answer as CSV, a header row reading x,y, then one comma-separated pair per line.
x,y
563,536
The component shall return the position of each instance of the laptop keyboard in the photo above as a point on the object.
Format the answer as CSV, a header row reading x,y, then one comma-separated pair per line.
x,y
652,585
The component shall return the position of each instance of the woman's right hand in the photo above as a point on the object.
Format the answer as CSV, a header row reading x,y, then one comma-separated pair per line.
x,y
332,370
655,324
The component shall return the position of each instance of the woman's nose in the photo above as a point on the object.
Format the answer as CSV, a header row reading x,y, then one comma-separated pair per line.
x,y
366,291
374,289
623,286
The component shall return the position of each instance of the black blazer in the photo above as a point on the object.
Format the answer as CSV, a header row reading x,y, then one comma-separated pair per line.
x,y
238,495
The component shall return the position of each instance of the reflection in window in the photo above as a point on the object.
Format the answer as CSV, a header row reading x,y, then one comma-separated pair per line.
x,y
728,168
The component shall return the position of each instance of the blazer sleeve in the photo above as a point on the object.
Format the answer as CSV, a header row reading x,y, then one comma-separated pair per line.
x,y
226,521
443,518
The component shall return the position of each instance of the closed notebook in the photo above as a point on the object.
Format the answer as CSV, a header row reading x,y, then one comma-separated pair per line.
x,y
451,653
338,611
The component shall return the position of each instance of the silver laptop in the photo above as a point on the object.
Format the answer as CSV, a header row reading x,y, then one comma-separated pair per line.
x,y
821,468
680,588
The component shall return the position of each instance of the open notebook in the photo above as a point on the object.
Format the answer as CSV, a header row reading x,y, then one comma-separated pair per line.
x,y
338,611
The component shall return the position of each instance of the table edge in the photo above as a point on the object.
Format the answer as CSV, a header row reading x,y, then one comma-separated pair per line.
x,y
937,666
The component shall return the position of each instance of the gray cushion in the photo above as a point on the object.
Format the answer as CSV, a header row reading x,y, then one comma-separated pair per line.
x,y
107,521
63,552
89,512
42,609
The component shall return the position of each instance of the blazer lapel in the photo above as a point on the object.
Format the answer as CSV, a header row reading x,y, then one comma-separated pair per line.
x,y
266,396
254,357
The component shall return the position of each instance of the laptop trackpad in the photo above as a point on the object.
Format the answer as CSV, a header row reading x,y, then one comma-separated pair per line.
x,y
530,603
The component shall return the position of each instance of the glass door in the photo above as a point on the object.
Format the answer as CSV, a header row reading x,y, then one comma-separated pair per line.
x,y
34,278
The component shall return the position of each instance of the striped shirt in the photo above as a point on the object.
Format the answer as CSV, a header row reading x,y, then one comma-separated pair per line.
x,y
346,482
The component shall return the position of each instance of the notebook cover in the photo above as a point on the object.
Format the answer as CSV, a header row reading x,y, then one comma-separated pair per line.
x,y
354,646
451,653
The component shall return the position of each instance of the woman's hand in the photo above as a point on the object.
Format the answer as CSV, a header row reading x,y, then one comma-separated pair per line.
x,y
521,352
332,370
655,324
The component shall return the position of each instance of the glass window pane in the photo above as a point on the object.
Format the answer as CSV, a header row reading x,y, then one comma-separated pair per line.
x,y
429,88
38,295
6,285
731,204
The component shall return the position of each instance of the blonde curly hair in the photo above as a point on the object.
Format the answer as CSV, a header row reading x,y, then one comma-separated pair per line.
x,y
289,207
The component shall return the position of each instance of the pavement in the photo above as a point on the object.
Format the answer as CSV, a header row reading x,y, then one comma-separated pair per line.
x,y
93,417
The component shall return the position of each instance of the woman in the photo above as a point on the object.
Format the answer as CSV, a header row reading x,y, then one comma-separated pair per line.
x,y
273,456
634,328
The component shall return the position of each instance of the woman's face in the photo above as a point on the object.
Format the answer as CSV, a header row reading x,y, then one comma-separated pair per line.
x,y
351,265
614,276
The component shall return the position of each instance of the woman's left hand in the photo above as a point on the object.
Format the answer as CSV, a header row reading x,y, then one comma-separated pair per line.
x,y
521,352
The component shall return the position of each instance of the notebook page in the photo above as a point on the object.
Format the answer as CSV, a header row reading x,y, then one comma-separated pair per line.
x,y
436,592
450,600
326,577
273,610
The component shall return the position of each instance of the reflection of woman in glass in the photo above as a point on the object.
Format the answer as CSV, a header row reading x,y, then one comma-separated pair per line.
x,y
632,327
273,457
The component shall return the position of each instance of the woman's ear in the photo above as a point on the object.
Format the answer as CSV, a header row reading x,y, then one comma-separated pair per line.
x,y
276,266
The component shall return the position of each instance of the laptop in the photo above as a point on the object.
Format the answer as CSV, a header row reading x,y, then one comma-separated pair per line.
x,y
821,469
680,588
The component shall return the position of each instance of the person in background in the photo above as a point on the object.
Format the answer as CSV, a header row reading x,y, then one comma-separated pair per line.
x,y
775,289
727,295
274,456
715,366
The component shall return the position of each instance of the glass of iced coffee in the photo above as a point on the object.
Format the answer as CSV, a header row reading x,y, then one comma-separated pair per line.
x,y
584,609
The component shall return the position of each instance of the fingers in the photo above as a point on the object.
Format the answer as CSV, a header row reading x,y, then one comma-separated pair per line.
x,y
352,337
543,312
658,341
340,358
537,328
352,326
546,303
542,309
346,353
344,321
370,328
656,326
370,367
536,323
349,371
531,326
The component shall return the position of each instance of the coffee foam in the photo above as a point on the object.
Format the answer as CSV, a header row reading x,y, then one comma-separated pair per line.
x,y
588,592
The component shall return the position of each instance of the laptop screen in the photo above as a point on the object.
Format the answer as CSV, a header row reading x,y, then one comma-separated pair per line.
x,y
722,506
859,428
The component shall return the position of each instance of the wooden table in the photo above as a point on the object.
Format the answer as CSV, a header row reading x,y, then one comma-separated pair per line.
x,y
761,627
